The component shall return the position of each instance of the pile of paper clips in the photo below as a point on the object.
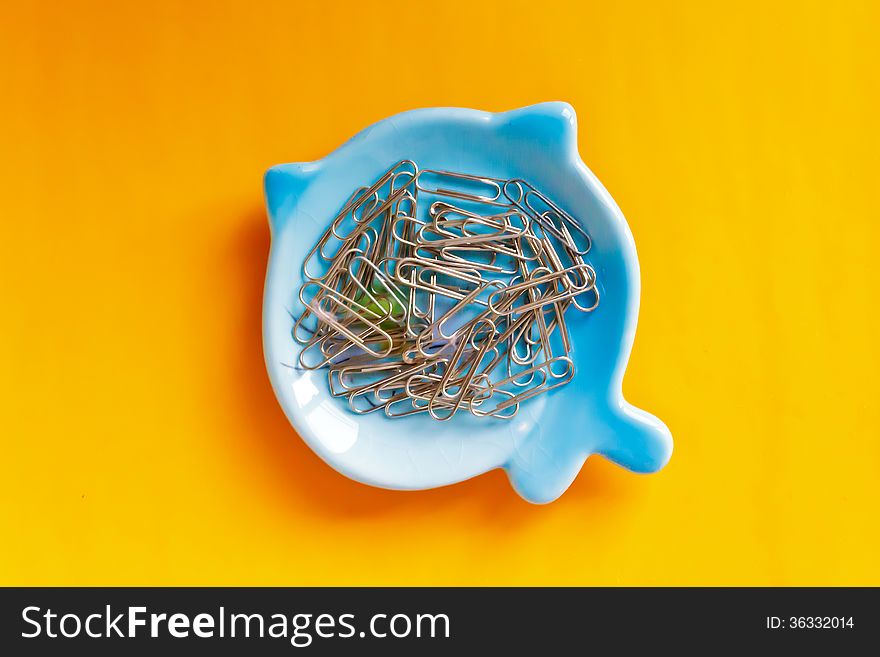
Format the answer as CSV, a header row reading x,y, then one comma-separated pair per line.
x,y
434,291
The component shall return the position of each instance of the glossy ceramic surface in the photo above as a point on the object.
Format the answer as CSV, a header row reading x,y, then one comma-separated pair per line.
x,y
544,447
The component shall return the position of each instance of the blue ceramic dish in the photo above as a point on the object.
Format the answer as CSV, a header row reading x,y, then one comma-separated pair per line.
x,y
544,447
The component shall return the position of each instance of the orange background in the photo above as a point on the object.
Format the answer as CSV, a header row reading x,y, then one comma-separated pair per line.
x,y
141,440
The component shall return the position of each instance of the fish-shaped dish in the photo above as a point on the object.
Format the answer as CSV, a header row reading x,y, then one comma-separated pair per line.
x,y
450,262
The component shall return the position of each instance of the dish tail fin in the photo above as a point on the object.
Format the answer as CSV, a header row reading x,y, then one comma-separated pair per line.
x,y
541,470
